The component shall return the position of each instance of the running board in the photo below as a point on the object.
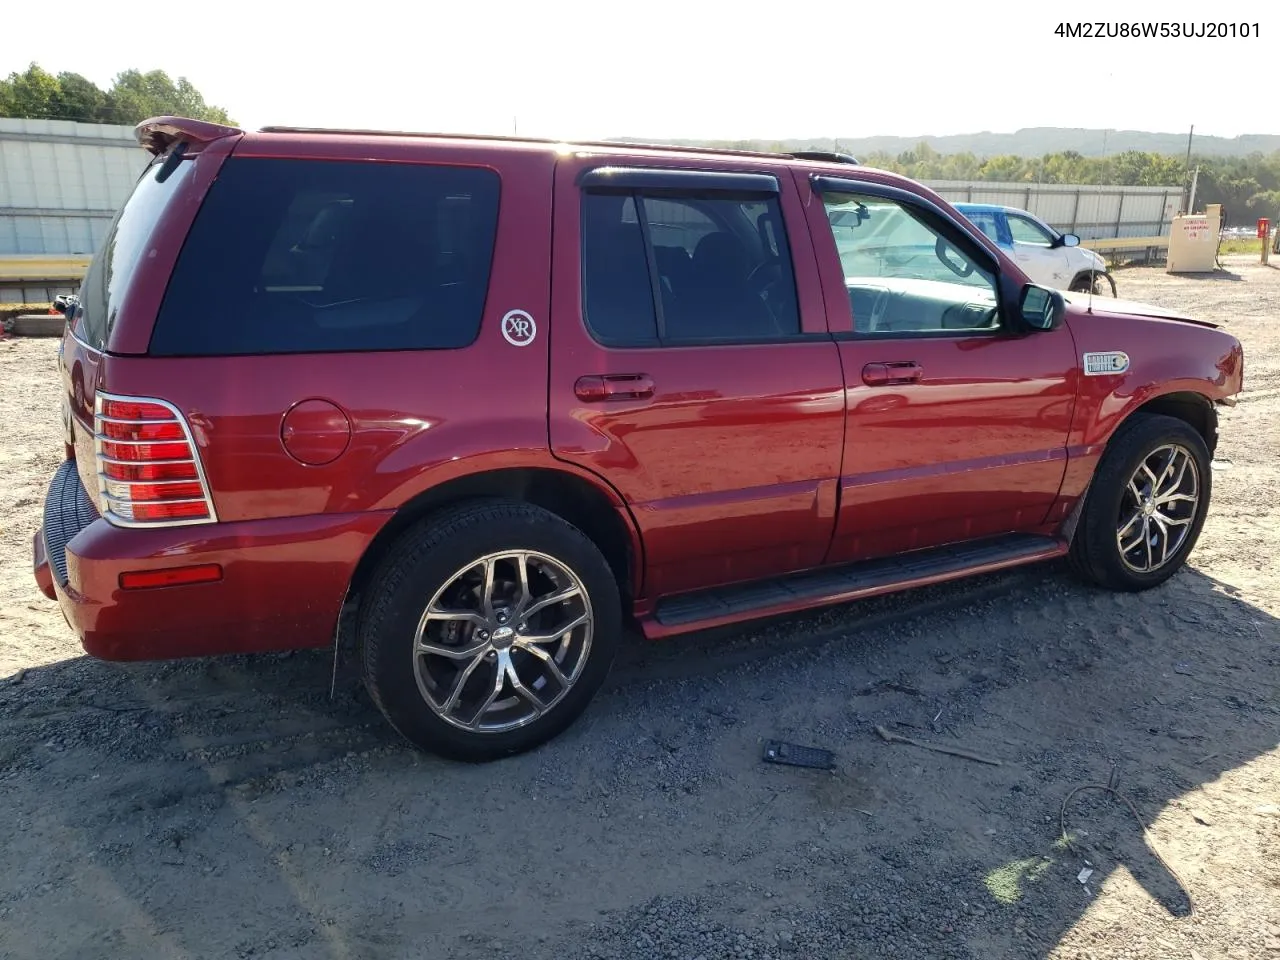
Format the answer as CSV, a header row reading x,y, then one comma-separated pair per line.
x,y
865,578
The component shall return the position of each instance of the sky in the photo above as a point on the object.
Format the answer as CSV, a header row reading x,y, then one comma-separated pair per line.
x,y
673,68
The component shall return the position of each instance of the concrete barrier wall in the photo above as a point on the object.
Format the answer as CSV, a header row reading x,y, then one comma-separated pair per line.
x,y
60,184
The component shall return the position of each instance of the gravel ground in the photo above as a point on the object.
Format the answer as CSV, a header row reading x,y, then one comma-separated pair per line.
x,y
232,808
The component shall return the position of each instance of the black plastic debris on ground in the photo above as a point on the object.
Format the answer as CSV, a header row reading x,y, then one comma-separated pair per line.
x,y
794,755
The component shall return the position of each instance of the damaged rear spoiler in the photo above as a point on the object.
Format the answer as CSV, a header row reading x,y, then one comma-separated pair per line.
x,y
158,134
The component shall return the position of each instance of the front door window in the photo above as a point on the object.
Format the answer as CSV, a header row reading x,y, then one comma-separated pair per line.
x,y
902,275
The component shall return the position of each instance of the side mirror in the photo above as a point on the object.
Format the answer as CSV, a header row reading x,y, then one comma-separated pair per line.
x,y
1070,240
1040,307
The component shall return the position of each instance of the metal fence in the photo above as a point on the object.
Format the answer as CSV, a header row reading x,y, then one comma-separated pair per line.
x,y
1090,212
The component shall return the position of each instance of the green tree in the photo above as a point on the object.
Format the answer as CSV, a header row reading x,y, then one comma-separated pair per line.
x,y
33,93
1065,167
136,95
960,166
1266,203
80,99
1002,168
133,97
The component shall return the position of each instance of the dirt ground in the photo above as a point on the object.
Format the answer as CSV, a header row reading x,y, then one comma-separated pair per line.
x,y
231,808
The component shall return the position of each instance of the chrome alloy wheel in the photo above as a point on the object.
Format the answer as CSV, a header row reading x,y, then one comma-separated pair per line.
x,y
1158,508
503,641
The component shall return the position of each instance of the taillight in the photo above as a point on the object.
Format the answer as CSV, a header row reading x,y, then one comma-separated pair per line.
x,y
149,472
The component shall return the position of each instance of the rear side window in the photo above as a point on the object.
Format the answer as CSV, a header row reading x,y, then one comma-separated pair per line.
x,y
112,268
306,256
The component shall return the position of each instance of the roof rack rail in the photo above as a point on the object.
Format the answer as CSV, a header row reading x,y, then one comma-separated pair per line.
x,y
610,144
824,155
679,148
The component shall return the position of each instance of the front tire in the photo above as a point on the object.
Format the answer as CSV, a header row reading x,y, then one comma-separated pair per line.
x,y
1101,284
488,630
1145,506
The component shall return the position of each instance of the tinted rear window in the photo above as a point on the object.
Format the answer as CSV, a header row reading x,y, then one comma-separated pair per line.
x,y
302,256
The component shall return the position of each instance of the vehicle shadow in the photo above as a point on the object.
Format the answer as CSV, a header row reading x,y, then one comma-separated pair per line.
x,y
233,807
1221,274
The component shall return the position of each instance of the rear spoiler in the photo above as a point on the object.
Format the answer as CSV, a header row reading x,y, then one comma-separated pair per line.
x,y
158,134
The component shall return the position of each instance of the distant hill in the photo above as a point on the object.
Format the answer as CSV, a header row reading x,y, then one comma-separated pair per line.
x,y
1028,142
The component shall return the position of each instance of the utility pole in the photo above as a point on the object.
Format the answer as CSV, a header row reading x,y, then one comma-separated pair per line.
x,y
1186,173
1191,203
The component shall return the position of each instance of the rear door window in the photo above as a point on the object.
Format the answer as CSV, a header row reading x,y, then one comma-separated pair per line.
x,y
307,256
692,268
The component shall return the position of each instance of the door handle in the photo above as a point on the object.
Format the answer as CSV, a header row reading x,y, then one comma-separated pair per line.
x,y
899,371
613,386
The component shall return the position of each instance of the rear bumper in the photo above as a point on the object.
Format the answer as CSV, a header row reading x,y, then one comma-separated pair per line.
x,y
282,587
40,561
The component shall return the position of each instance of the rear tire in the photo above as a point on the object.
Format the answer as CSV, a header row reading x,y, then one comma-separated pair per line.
x,y
471,659
1145,506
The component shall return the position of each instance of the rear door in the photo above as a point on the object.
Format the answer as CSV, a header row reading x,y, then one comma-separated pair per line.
x,y
691,366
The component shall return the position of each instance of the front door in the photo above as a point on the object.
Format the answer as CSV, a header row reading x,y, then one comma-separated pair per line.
x,y
1038,253
957,424
689,372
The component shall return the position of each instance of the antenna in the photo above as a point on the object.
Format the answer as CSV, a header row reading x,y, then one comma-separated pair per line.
x,y
1097,210
1093,279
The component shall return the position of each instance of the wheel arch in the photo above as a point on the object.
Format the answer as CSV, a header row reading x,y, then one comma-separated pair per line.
x,y
1087,274
582,501
1194,409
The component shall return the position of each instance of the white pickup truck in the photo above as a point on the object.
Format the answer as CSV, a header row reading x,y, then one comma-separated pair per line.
x,y
1046,256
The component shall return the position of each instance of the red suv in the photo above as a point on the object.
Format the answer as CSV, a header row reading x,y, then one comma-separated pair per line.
x,y
501,396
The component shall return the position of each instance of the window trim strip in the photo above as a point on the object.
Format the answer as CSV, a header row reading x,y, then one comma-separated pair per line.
x,y
651,264
614,177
